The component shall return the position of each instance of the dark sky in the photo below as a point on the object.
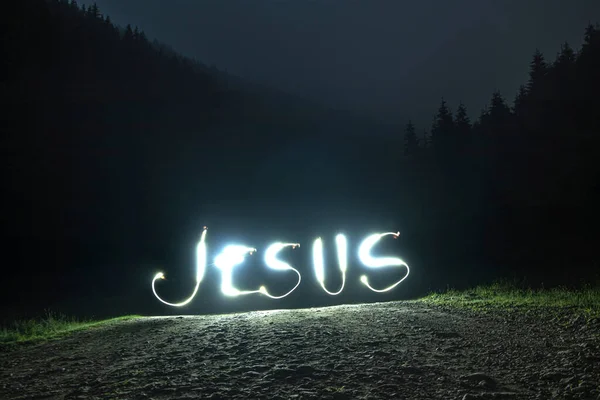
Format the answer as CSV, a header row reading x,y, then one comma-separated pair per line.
x,y
393,58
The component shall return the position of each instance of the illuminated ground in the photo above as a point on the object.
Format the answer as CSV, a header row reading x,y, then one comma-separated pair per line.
x,y
401,350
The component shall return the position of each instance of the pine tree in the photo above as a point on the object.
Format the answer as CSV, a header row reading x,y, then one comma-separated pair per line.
x,y
562,72
499,114
591,41
411,143
94,12
480,125
442,128
537,94
142,37
587,101
519,104
498,105
559,109
566,56
462,123
128,34
426,139
538,68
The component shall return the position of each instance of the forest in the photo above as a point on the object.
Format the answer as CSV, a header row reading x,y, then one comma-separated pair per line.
x,y
116,150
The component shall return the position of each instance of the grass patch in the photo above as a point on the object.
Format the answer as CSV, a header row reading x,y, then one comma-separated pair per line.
x,y
508,295
48,327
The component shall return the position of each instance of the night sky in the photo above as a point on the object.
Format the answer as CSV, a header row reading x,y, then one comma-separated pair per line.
x,y
378,57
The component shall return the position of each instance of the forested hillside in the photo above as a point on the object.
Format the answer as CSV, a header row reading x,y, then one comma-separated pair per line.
x,y
116,151
101,115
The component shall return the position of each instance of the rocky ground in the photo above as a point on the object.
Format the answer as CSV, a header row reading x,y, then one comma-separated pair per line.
x,y
400,350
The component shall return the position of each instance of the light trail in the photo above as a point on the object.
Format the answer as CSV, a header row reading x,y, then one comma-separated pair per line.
x,y
200,270
232,256
318,262
364,254
274,263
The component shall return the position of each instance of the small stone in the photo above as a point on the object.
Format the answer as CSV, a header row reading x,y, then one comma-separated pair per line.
x,y
484,384
566,381
480,377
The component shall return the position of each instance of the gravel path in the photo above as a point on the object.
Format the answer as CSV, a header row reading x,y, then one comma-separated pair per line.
x,y
400,350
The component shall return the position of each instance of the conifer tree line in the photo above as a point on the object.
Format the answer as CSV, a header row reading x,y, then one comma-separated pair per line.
x,y
559,99
77,44
540,148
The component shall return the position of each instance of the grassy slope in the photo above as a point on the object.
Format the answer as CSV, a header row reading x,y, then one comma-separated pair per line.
x,y
50,326
498,296
508,296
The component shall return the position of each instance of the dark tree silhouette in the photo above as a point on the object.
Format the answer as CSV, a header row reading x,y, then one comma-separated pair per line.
x,y
540,151
561,82
537,72
537,100
588,82
519,104
442,130
128,35
499,115
411,143
462,126
426,141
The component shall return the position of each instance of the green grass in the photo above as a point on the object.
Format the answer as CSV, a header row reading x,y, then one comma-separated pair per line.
x,y
511,296
50,326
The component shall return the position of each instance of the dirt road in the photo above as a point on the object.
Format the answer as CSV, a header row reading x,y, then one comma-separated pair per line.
x,y
400,350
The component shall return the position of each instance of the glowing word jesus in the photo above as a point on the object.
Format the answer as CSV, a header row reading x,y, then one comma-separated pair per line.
x,y
233,255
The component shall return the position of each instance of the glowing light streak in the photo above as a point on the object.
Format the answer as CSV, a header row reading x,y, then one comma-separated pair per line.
x,y
232,256
274,263
200,270
364,254
318,262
